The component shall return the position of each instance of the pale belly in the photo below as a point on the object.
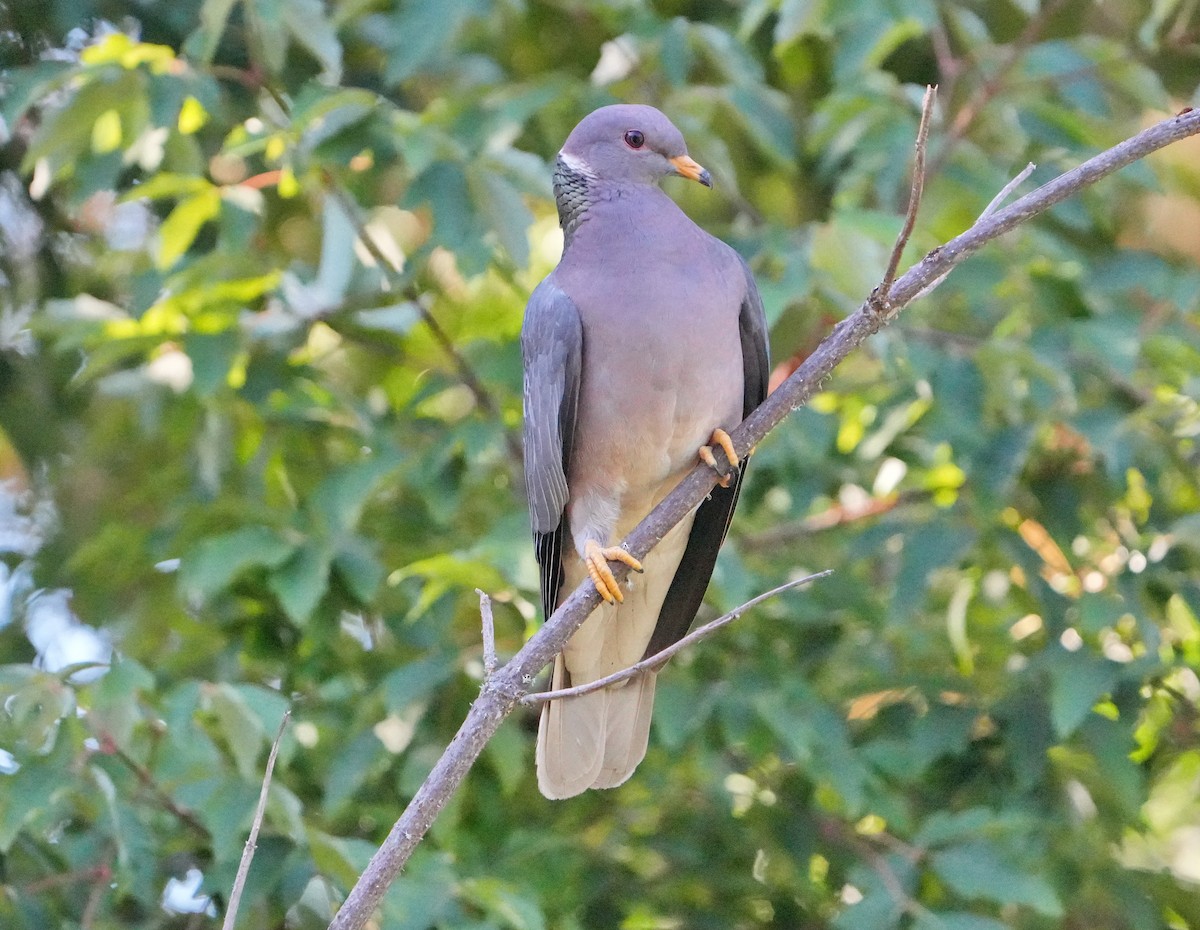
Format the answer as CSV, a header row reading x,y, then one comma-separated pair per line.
x,y
642,421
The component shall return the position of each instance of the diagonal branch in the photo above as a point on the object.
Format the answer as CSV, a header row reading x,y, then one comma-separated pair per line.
x,y
504,690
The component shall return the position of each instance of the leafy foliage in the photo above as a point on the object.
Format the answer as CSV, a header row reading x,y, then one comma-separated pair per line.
x,y
265,265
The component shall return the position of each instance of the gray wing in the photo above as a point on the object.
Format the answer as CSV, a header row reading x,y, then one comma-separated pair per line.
x,y
552,350
715,513
756,346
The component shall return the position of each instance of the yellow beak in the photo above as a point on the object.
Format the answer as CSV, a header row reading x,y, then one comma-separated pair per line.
x,y
686,167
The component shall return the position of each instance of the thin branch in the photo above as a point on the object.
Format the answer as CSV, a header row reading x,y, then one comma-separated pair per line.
x,y
504,690
462,367
146,778
489,634
991,208
656,660
993,85
848,838
1007,190
235,896
97,873
783,534
95,898
914,196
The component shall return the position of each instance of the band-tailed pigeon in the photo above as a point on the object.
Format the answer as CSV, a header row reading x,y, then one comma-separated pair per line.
x,y
645,343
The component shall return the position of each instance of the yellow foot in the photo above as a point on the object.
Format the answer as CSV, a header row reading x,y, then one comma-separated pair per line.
x,y
596,558
720,438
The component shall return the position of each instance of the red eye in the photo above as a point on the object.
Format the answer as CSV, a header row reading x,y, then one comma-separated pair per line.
x,y
635,139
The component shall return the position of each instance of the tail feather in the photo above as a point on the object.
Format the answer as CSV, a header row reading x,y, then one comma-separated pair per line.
x,y
597,740
627,727
571,740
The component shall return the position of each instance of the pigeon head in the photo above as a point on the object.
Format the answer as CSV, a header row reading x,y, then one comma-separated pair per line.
x,y
629,143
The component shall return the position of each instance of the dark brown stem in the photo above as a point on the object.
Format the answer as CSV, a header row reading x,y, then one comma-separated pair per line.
x,y
845,836
147,781
97,873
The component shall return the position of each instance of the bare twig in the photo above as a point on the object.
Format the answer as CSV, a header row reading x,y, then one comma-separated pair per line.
x,y
504,690
991,208
97,873
239,882
1007,190
489,634
914,196
95,898
646,665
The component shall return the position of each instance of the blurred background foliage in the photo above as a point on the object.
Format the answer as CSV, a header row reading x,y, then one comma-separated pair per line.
x,y
263,266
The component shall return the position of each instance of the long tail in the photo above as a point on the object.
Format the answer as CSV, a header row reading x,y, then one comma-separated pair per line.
x,y
597,740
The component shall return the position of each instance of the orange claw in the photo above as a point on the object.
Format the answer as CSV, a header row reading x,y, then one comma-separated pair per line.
x,y
596,558
720,438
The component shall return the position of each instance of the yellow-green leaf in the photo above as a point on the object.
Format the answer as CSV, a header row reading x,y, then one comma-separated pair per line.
x,y
179,230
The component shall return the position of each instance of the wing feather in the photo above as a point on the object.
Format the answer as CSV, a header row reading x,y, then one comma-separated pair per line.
x,y
552,351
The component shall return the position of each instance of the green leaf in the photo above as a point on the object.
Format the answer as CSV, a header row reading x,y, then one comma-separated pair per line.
x,y
359,568
338,261
240,727
27,86
65,138
27,793
504,210
266,18
956,920
503,902
398,318
214,14
168,184
302,581
1077,681
415,681
359,760
342,859
508,754
225,804
418,31
976,870
426,897
180,228
341,497
764,115
213,356
116,697
309,26
217,561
